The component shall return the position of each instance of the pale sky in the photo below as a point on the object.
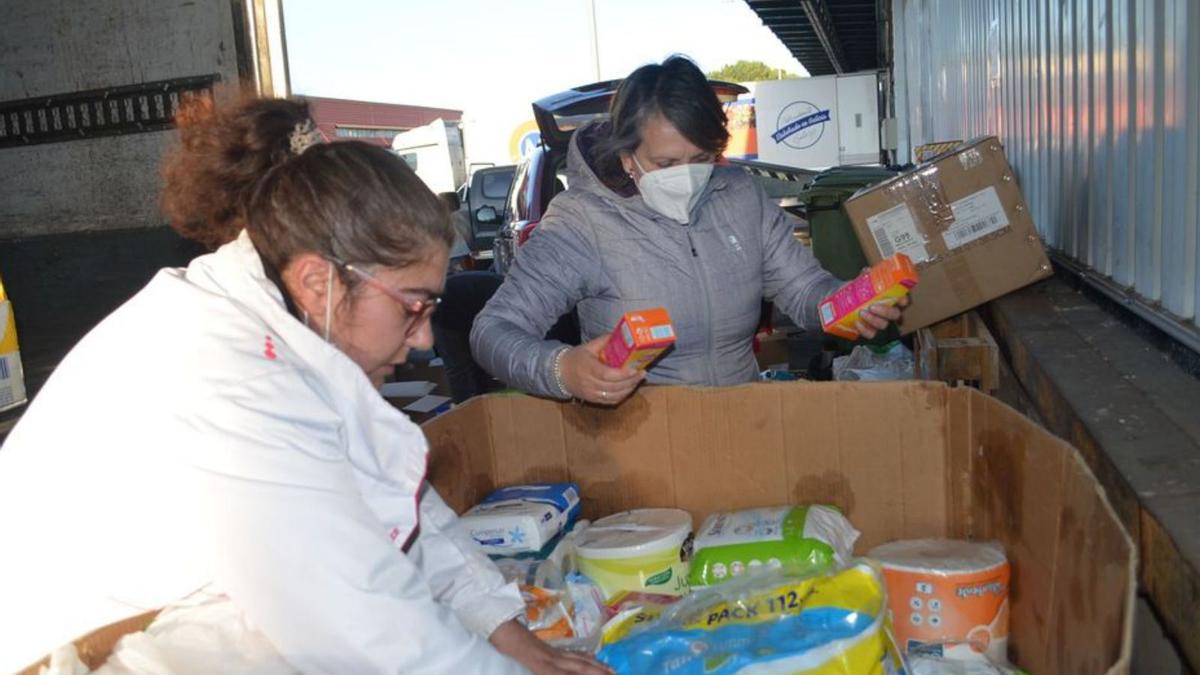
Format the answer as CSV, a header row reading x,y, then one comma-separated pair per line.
x,y
459,53
492,58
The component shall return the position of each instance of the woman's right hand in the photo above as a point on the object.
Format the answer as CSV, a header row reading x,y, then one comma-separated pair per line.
x,y
588,378
515,640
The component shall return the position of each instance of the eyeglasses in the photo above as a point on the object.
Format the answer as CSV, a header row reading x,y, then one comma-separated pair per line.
x,y
419,310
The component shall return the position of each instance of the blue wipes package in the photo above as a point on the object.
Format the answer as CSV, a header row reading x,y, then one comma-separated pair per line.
x,y
522,518
823,640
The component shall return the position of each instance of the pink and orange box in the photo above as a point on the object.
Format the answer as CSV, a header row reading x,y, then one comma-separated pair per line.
x,y
639,338
642,336
885,283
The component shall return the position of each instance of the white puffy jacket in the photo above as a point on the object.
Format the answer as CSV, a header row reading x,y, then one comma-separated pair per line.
x,y
202,437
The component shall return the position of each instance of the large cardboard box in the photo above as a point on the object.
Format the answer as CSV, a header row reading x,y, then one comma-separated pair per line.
x,y
961,217
901,459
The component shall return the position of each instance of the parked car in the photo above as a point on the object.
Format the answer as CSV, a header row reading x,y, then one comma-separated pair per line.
x,y
543,174
484,198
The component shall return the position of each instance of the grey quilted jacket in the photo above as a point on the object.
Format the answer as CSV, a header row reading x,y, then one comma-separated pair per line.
x,y
608,254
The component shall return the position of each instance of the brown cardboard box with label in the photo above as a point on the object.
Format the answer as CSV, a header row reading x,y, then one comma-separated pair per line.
x,y
961,217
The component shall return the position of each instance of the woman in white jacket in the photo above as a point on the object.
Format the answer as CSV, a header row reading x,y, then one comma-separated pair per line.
x,y
222,431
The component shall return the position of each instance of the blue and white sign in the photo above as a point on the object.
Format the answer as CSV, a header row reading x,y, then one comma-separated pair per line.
x,y
798,122
800,125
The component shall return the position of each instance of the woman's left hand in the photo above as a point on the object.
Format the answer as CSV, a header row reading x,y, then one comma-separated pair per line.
x,y
514,640
877,317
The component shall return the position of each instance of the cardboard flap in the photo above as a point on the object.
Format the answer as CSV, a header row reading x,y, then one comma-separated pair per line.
x,y
878,452
1072,561
461,464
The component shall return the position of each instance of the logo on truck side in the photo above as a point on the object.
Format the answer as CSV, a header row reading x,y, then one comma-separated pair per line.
x,y
800,125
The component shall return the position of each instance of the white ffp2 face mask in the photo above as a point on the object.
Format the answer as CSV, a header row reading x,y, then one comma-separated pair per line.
x,y
673,191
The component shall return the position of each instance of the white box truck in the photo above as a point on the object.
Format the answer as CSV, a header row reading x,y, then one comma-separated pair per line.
x,y
816,122
435,152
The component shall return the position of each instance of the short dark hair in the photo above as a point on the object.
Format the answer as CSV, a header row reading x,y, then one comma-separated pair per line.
x,y
678,91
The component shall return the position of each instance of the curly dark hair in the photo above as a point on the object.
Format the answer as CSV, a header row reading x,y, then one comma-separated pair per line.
x,y
235,169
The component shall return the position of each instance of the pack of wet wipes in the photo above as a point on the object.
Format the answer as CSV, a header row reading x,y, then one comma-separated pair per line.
x,y
522,518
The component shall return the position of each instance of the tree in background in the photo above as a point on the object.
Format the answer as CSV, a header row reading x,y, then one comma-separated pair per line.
x,y
750,71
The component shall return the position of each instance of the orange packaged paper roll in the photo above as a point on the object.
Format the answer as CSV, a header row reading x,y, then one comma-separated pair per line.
x,y
639,339
948,598
885,283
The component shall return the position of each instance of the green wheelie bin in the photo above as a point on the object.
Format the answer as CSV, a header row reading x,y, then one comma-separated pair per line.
x,y
833,240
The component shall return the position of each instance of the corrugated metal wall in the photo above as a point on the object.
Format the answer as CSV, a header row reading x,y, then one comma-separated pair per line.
x,y
1098,105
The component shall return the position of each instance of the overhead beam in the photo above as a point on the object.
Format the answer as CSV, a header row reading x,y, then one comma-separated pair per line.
x,y
822,24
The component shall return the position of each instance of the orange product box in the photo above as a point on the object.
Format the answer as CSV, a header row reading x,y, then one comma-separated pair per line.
x,y
885,283
639,338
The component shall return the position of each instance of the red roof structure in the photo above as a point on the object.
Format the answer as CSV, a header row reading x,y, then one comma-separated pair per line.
x,y
376,123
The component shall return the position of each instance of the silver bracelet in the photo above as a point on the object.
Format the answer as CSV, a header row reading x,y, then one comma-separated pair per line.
x,y
558,379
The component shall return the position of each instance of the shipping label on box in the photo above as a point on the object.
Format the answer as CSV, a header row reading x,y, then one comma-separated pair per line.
x,y
975,216
963,221
895,231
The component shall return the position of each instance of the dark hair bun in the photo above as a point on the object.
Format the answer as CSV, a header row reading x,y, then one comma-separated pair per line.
x,y
221,157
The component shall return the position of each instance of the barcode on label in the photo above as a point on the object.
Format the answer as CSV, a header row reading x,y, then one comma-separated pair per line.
x,y
661,333
975,216
5,373
964,233
886,250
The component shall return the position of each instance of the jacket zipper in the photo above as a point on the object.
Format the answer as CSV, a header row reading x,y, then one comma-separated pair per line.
x,y
708,318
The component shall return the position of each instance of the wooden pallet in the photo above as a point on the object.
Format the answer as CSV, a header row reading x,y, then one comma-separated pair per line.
x,y
959,350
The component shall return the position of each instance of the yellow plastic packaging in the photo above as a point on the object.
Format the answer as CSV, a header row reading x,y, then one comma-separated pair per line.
x,y
771,622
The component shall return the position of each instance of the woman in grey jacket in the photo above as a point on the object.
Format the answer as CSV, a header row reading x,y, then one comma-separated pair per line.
x,y
650,220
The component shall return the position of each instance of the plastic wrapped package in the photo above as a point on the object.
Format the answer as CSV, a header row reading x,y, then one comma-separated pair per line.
x,y
522,518
890,362
732,543
590,613
633,610
549,608
563,607
772,621
949,598
933,665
